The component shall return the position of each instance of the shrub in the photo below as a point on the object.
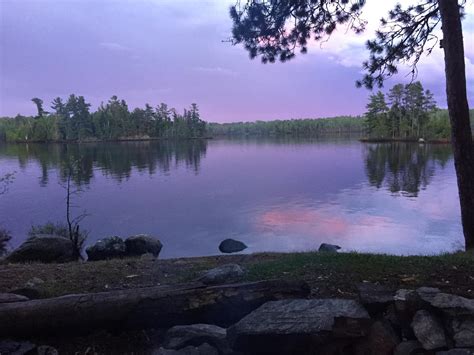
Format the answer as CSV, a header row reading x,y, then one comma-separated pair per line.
x,y
50,228
76,236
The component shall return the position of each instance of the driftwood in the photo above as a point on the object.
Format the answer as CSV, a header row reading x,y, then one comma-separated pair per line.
x,y
152,307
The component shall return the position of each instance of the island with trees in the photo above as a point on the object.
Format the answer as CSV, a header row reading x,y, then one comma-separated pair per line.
x,y
72,121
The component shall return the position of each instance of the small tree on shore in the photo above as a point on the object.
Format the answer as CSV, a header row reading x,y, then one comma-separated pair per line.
x,y
75,235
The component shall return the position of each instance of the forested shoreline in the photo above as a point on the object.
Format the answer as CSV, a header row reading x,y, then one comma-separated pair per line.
x,y
304,127
72,121
406,113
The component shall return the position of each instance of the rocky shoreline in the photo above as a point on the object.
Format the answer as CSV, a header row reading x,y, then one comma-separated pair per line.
x,y
321,302
378,321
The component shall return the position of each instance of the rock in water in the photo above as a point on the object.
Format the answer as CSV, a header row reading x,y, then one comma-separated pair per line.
x,y
428,330
231,246
107,248
293,326
44,248
181,336
223,274
142,244
331,248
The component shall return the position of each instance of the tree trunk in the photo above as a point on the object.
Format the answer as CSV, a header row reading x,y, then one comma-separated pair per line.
x,y
152,307
461,135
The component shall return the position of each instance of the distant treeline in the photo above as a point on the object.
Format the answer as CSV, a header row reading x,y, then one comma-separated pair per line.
x,y
407,111
72,120
296,127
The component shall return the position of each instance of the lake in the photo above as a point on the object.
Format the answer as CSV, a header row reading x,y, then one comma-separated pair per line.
x,y
275,195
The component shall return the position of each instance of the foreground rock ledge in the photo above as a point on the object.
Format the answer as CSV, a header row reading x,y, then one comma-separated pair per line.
x,y
296,326
153,307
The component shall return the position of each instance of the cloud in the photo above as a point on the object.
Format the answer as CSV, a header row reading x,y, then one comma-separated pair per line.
x,y
348,49
114,46
216,70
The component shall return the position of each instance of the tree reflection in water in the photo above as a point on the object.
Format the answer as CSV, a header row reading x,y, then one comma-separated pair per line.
x,y
113,159
404,168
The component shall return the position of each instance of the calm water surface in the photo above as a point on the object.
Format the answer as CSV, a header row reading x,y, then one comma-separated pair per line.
x,y
282,195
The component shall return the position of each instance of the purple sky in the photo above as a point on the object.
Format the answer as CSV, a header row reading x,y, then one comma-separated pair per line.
x,y
171,51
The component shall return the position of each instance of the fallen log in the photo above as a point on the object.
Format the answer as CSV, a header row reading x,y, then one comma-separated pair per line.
x,y
153,307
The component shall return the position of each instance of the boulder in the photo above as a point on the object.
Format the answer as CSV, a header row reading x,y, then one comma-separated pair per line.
x,y
375,297
16,347
452,305
223,274
329,248
409,347
12,297
204,349
31,289
383,338
463,332
231,246
107,248
44,248
293,326
181,336
428,330
456,352
141,244
46,350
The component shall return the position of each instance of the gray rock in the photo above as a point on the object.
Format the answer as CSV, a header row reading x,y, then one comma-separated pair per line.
x,y
43,248
223,274
12,297
330,248
142,244
383,338
292,326
46,350
12,347
375,297
107,248
456,352
181,336
231,246
463,332
451,304
428,330
408,347
204,349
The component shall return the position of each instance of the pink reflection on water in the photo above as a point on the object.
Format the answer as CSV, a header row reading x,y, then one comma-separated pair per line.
x,y
304,221
326,225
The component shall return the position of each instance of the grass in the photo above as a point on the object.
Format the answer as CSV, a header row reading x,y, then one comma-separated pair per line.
x,y
328,274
